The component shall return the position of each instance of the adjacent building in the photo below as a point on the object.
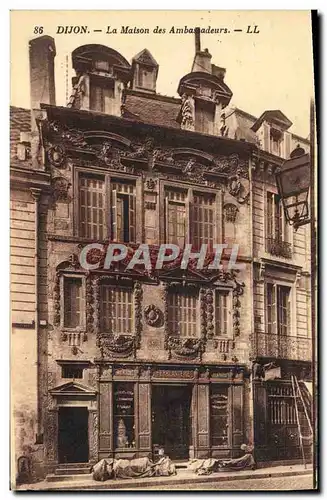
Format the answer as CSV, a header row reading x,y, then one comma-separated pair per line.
x,y
119,362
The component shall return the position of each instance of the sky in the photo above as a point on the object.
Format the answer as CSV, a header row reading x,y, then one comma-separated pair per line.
x,y
272,69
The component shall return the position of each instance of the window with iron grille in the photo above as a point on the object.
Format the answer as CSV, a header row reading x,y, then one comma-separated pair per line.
x,y
222,313
281,405
202,215
71,371
278,309
73,302
116,309
123,211
183,312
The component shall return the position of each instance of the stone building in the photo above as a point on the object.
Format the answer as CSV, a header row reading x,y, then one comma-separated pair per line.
x,y
119,362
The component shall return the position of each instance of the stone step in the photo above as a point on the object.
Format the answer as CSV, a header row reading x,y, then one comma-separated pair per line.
x,y
72,465
180,465
51,478
73,469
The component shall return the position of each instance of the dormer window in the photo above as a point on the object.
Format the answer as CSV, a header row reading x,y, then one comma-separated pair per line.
x,y
101,96
276,137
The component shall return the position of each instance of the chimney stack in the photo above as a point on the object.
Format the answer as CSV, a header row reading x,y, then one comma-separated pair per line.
x,y
197,40
42,51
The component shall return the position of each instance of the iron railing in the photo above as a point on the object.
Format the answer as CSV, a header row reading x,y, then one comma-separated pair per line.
x,y
278,247
282,346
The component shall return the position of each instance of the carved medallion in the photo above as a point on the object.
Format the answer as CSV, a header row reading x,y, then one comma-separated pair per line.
x,y
56,156
153,315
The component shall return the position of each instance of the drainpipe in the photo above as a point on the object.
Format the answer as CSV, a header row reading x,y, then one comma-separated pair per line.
x,y
36,196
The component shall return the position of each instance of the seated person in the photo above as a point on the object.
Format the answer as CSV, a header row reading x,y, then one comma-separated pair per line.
x,y
164,466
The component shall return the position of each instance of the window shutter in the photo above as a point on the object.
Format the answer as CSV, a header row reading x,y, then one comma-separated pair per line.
x,y
131,216
114,214
167,220
187,219
269,215
266,136
273,308
287,144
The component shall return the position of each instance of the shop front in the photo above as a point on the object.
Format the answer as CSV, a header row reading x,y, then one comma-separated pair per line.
x,y
190,411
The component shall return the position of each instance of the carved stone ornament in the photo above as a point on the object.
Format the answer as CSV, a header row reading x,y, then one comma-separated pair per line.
x,y
56,300
230,212
187,112
163,156
142,151
153,315
237,292
151,184
56,155
116,344
235,186
185,348
61,187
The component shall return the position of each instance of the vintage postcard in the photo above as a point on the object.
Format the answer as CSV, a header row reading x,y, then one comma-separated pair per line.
x,y
163,250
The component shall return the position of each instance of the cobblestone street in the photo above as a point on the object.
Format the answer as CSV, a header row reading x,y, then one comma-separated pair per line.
x,y
276,483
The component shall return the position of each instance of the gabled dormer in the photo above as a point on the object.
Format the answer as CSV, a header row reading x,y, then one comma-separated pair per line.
x,y
101,75
272,131
144,71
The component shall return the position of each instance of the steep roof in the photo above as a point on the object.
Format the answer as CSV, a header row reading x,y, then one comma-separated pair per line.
x,y
20,121
152,108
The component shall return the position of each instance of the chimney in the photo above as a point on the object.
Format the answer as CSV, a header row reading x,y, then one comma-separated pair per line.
x,y
42,51
197,40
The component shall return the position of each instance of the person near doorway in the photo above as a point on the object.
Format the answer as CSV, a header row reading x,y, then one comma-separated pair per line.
x,y
164,466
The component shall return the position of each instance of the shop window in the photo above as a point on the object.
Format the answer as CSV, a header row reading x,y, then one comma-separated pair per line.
x,y
124,420
219,415
182,312
73,301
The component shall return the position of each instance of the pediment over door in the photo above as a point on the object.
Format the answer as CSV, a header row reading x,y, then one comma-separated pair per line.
x,y
72,389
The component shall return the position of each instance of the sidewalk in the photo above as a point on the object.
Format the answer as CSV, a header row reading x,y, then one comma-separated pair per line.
x,y
183,477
